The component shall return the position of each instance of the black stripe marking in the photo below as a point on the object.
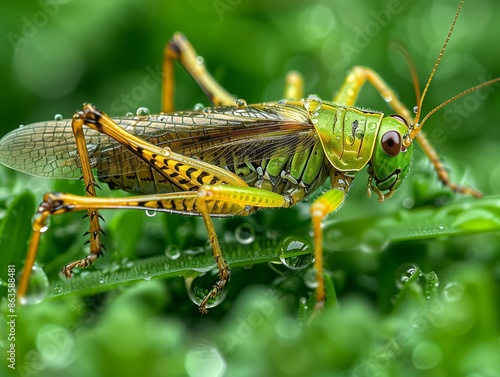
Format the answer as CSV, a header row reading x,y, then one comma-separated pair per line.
x,y
177,167
200,177
190,172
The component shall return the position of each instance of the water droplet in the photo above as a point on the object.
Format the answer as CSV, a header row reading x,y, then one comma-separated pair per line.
x,y
207,110
198,107
101,280
150,213
441,227
453,291
58,117
55,345
205,360
166,151
408,202
312,103
44,228
241,103
373,240
129,114
172,252
38,287
288,328
310,279
282,102
142,111
388,99
244,233
432,284
426,355
359,134
200,60
415,109
57,289
349,139
195,250
295,253
200,286
315,121
406,273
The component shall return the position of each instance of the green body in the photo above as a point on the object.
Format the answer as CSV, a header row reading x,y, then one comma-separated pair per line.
x,y
287,147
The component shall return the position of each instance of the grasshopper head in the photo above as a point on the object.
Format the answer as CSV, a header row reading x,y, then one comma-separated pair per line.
x,y
391,160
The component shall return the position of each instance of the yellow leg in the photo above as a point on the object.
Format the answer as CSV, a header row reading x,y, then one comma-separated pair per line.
x,y
322,206
180,49
95,230
348,94
244,197
209,200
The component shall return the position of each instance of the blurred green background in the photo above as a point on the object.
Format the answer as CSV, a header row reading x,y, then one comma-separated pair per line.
x,y
392,318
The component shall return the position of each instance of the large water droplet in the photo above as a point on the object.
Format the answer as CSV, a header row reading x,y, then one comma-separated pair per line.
x,y
150,213
241,103
295,253
453,291
244,233
310,279
172,252
312,103
58,117
142,111
373,240
200,286
205,361
426,355
38,287
198,107
407,273
55,345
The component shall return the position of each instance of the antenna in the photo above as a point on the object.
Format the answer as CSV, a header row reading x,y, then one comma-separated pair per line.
x,y
415,127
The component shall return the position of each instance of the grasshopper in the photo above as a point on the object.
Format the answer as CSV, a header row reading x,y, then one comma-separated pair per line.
x,y
231,159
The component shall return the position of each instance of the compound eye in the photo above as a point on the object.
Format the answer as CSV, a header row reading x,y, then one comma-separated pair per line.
x,y
400,118
391,143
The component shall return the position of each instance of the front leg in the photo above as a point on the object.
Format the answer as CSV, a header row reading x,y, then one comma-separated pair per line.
x,y
348,94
